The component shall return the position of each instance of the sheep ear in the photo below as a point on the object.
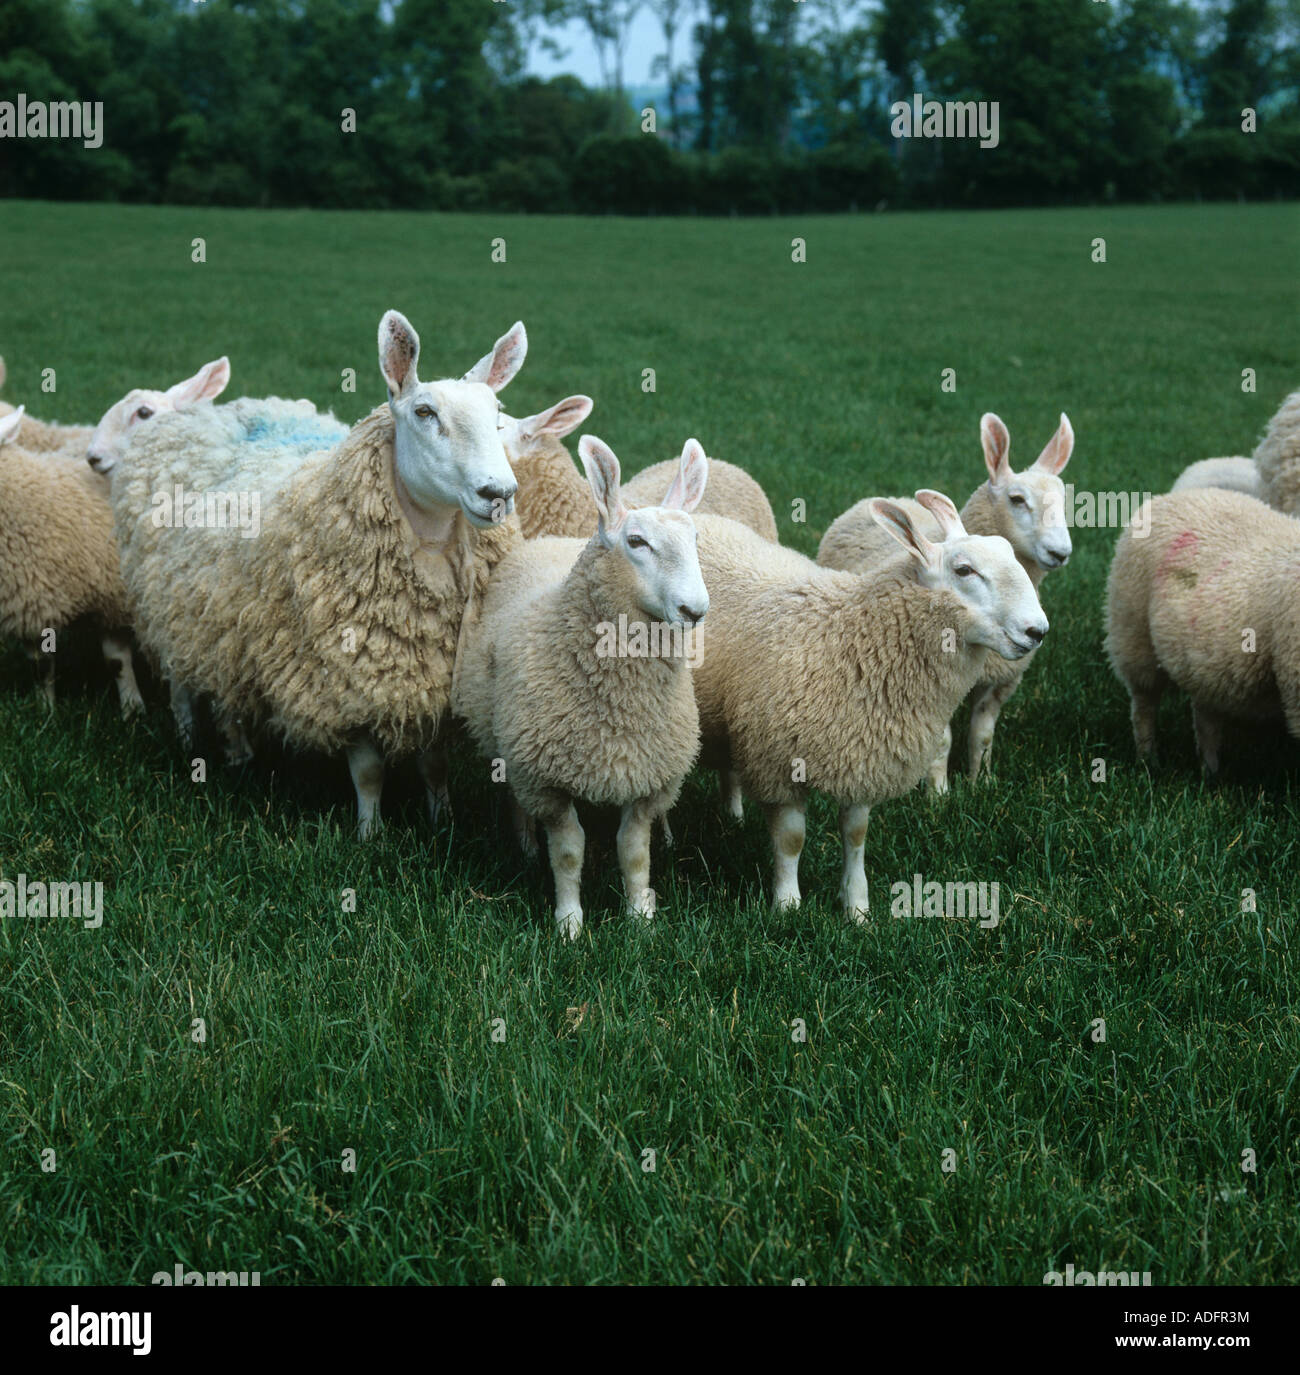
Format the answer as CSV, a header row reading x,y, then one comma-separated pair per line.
x,y
602,471
507,357
3,372
899,524
1057,452
687,488
997,445
210,381
943,510
399,350
563,418
9,424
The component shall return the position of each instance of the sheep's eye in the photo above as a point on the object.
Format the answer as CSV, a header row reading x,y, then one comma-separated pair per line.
x,y
426,413
963,570
143,413
1017,499
636,542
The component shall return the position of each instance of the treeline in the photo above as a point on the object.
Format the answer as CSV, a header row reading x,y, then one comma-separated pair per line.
x,y
767,105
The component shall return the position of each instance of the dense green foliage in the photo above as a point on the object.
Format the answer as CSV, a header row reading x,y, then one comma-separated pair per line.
x,y
780,107
330,1030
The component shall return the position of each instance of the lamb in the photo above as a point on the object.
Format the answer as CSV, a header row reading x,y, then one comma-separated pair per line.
x,y
1229,474
1277,456
554,500
336,628
1027,509
1207,600
843,682
544,688
58,562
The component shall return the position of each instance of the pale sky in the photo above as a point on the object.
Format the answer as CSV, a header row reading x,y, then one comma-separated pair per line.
x,y
643,47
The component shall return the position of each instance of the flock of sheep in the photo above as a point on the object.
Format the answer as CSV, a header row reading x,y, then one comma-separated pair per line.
x,y
597,637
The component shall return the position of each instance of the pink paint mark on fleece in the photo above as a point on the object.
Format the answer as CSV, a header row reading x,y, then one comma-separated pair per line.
x,y
1180,555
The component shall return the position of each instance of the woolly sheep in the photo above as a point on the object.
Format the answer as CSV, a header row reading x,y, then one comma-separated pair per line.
x,y
554,500
58,562
810,678
1027,509
1229,474
541,692
1277,456
337,626
1207,600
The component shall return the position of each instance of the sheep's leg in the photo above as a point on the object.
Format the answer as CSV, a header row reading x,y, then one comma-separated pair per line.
x,y
525,828
733,799
1143,710
666,832
984,721
237,747
432,764
565,840
786,826
182,702
1209,737
367,766
853,836
939,764
44,665
634,857
117,655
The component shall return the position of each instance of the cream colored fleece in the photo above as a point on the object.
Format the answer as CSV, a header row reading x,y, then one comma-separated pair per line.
x,y
1277,457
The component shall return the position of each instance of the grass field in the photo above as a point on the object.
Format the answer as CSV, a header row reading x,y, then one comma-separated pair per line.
x,y
775,1159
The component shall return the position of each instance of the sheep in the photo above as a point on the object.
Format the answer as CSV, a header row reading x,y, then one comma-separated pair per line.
x,y
1027,509
554,500
1277,457
544,689
1229,474
336,628
1208,600
58,562
811,678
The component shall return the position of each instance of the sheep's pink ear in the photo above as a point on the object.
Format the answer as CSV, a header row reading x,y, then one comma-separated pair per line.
x,y
507,357
399,351
210,381
9,424
997,447
943,510
602,471
563,418
687,489
1058,449
3,373
898,522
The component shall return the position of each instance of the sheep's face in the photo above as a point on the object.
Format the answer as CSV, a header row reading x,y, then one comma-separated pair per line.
x,y
657,542
10,423
1030,505
981,571
447,444
115,430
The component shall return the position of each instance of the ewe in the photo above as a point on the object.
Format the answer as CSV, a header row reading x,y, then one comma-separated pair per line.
x,y
336,627
845,682
1027,509
576,676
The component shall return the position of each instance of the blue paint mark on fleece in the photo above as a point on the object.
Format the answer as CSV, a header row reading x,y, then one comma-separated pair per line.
x,y
319,432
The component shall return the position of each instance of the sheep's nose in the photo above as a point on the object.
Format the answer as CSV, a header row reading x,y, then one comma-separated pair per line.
x,y
94,460
690,615
497,491
1035,633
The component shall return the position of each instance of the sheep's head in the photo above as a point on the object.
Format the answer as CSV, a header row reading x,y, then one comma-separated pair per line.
x,y
117,426
1030,506
658,542
447,442
982,571
10,424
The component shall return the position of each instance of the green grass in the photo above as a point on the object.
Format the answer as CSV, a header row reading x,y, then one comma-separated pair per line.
x,y
776,1159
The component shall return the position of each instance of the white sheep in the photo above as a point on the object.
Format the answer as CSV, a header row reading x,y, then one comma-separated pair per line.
x,y
336,627
1208,600
1277,456
1027,509
546,688
1229,474
554,500
809,678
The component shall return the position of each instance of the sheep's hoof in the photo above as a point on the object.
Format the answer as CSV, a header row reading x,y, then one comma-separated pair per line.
x,y
785,902
369,827
569,924
644,906
132,706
